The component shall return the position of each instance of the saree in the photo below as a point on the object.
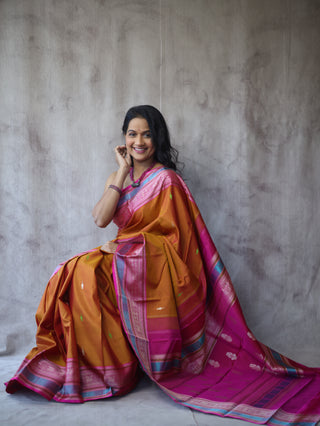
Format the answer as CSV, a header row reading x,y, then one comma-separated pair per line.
x,y
162,304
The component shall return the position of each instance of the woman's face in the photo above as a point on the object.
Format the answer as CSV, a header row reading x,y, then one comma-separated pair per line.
x,y
138,140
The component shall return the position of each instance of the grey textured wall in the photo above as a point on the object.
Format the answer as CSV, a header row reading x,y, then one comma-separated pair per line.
x,y
239,84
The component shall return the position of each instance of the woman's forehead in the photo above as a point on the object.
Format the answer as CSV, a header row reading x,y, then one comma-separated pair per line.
x,y
139,124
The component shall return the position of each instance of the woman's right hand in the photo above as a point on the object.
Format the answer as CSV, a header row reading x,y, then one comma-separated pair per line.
x,y
122,157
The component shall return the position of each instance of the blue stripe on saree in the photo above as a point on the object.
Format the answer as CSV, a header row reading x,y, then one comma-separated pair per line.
x,y
161,366
195,346
120,265
124,198
290,370
41,382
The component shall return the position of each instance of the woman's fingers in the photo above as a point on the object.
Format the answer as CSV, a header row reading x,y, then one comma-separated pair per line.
x,y
122,150
122,156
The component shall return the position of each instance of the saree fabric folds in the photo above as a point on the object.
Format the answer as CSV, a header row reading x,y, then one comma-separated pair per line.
x,y
163,302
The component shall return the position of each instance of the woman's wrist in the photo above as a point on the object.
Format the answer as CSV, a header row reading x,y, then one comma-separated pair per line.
x,y
115,188
121,175
124,169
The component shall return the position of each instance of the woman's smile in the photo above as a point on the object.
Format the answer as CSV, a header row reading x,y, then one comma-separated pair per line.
x,y
139,150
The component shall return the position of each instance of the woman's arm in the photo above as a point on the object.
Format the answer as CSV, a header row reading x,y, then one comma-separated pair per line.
x,y
105,208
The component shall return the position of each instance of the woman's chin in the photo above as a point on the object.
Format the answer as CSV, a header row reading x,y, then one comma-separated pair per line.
x,y
142,158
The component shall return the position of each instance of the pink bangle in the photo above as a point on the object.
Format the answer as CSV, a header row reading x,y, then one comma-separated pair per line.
x,y
116,188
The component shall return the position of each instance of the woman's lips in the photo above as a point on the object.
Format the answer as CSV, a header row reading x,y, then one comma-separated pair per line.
x,y
139,150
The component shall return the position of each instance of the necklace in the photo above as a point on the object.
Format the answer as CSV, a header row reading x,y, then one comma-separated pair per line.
x,y
136,183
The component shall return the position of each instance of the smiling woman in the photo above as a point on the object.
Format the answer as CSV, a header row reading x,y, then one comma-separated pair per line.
x,y
158,296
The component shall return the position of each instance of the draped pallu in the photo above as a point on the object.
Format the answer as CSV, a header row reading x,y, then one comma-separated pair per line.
x,y
163,302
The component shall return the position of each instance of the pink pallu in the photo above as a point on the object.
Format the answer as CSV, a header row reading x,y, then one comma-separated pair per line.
x,y
182,318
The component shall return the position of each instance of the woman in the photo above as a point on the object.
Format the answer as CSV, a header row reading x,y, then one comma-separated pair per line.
x,y
159,297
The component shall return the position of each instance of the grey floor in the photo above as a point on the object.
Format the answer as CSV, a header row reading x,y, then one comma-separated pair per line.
x,y
146,405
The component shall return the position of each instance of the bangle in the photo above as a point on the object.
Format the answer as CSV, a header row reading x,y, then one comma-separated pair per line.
x,y
116,188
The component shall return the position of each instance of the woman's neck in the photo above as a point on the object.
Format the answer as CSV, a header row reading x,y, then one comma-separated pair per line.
x,y
139,168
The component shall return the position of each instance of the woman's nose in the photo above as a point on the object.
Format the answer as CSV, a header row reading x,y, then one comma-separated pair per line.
x,y
139,140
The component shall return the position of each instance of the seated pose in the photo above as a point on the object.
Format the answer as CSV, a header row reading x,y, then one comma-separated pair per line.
x,y
158,299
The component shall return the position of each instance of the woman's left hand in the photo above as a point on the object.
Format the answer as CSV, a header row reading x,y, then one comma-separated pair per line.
x,y
109,247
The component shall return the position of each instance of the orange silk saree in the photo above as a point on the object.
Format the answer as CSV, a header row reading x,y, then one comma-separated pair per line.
x,y
163,302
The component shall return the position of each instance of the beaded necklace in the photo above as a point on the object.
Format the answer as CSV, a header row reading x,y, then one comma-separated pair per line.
x,y
136,183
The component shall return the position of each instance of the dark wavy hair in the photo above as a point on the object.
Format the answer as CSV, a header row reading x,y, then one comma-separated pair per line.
x,y
164,151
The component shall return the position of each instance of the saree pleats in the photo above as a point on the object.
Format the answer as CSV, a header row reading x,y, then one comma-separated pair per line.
x,y
163,301
82,352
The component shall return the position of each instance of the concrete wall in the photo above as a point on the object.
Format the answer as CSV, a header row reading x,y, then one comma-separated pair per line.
x,y
239,84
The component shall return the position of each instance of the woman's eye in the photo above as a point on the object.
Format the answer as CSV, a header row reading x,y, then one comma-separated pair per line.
x,y
131,134
147,135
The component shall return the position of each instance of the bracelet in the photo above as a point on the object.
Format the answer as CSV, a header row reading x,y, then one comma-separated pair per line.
x,y
116,188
